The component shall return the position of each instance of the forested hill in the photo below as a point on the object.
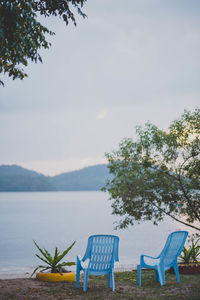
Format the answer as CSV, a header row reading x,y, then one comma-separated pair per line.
x,y
90,178
15,178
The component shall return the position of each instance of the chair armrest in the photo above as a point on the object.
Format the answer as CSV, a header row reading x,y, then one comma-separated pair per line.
x,y
82,264
153,257
142,261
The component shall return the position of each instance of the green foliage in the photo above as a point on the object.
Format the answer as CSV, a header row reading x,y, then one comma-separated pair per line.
x,y
159,174
192,253
53,263
21,35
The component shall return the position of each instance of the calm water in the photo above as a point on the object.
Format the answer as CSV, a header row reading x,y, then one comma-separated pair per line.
x,y
59,218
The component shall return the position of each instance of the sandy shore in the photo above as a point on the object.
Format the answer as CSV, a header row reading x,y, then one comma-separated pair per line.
x,y
27,288
126,288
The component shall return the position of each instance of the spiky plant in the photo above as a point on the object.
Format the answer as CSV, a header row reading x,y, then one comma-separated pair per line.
x,y
192,253
53,263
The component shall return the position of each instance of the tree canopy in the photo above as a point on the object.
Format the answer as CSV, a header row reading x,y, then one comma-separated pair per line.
x,y
158,174
22,35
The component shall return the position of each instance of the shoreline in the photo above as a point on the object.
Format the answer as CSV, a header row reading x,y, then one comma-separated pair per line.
x,y
119,268
14,276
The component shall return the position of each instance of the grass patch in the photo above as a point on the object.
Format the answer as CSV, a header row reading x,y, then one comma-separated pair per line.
x,y
127,287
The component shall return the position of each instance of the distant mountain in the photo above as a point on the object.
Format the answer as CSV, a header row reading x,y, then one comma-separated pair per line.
x,y
90,178
7,170
15,178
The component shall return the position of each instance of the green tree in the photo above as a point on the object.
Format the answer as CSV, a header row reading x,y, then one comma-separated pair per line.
x,y
159,174
22,35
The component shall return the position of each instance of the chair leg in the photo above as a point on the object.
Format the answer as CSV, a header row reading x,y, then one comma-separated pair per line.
x,y
85,280
176,272
78,269
157,276
113,280
109,280
139,270
77,278
161,274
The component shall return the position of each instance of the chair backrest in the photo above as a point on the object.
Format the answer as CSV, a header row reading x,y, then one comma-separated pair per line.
x,y
173,247
102,250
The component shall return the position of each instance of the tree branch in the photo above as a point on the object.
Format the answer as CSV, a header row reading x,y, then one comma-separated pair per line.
x,y
168,214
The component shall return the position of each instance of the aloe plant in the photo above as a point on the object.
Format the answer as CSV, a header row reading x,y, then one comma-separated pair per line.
x,y
195,250
186,255
53,263
192,253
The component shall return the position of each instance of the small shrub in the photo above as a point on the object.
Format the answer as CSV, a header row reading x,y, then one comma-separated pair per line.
x,y
53,263
191,254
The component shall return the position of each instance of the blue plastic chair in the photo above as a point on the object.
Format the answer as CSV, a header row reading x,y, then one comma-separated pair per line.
x,y
168,257
101,252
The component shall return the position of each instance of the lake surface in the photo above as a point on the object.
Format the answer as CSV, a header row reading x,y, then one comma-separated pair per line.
x,y
59,218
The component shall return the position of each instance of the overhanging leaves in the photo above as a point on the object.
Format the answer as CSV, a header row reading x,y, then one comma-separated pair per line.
x,y
22,35
159,174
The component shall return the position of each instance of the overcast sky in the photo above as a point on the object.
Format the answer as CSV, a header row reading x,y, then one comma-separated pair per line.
x,y
130,61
